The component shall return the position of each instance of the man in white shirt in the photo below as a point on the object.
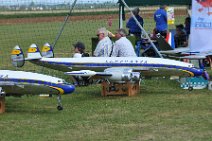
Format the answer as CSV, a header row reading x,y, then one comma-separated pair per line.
x,y
122,47
104,46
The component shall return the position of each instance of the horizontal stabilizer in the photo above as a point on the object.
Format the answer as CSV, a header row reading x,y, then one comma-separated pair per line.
x,y
35,58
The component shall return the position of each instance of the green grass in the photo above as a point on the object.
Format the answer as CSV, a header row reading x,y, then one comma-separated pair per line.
x,y
160,112
24,34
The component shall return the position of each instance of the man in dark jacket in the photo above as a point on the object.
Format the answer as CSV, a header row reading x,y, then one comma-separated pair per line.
x,y
132,25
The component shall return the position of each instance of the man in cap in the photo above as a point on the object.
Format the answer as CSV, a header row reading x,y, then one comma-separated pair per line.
x,y
104,46
79,49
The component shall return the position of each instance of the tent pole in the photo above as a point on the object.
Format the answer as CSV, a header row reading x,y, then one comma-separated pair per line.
x,y
147,36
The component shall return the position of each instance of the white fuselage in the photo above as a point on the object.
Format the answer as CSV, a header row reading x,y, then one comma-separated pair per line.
x,y
164,66
20,82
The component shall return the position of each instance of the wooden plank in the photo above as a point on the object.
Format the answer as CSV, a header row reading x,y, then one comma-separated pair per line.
x,y
129,89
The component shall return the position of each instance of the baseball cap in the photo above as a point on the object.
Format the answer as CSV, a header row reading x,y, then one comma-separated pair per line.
x,y
79,45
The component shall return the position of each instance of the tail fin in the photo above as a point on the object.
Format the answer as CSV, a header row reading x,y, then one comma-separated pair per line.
x,y
47,51
17,56
170,39
33,52
162,43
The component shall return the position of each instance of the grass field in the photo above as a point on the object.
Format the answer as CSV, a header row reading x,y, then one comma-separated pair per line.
x,y
160,112
24,34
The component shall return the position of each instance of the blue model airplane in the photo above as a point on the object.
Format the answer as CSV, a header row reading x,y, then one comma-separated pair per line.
x,y
113,69
17,83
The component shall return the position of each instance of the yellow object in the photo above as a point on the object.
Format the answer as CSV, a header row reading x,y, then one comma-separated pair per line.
x,y
61,91
15,52
45,49
32,50
110,34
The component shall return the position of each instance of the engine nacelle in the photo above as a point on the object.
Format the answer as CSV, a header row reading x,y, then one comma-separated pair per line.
x,y
135,76
124,76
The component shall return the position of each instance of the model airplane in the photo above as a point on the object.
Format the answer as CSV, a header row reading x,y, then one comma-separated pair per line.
x,y
17,83
166,49
182,52
113,69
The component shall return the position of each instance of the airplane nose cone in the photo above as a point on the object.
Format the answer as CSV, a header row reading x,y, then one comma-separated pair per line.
x,y
69,89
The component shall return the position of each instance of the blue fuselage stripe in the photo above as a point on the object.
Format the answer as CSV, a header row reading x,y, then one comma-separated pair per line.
x,y
195,71
66,88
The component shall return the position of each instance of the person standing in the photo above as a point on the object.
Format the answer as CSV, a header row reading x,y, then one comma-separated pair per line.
x,y
160,18
180,36
187,25
132,25
122,47
104,46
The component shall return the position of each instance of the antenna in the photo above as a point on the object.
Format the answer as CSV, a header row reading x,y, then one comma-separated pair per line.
x,y
63,25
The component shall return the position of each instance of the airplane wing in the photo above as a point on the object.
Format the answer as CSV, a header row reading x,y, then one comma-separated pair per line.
x,y
184,53
10,84
6,84
194,57
176,51
112,74
128,74
88,73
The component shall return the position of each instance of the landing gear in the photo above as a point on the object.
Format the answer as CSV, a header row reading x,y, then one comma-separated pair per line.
x,y
82,81
190,88
59,107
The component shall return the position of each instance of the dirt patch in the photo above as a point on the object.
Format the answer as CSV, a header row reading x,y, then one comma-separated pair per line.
x,y
55,19
144,14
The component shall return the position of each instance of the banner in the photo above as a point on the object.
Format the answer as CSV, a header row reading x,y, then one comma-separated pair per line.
x,y
201,26
170,15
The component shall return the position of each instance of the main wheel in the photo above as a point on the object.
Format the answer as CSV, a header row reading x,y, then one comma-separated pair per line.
x,y
59,108
190,88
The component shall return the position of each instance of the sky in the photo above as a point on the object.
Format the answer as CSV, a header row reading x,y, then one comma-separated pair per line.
x,y
21,2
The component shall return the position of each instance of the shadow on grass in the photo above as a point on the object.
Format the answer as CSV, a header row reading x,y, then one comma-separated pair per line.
x,y
31,105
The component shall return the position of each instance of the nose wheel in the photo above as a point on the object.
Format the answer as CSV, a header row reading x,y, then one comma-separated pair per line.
x,y
190,88
59,107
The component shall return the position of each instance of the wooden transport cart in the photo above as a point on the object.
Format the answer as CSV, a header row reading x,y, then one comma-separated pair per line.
x,y
128,88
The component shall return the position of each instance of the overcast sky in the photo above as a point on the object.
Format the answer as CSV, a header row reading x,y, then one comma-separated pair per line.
x,y
20,2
